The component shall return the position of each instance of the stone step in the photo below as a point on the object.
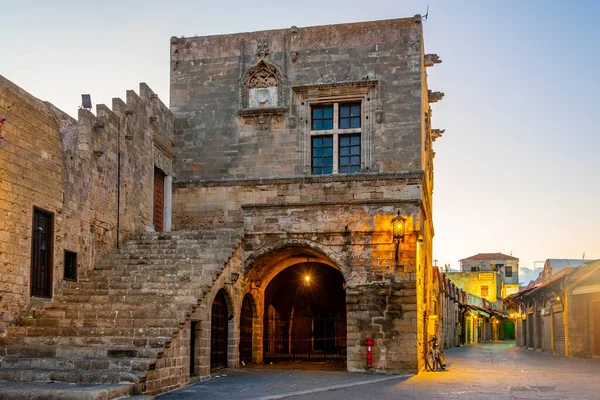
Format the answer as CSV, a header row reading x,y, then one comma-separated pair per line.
x,y
105,314
89,341
174,290
74,376
175,307
79,352
72,363
94,321
91,332
67,391
129,298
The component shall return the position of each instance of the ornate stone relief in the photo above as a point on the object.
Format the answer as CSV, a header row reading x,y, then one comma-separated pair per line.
x,y
262,47
174,65
294,56
379,116
262,90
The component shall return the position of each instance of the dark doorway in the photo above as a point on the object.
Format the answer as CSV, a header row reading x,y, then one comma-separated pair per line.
x,y
246,321
41,254
159,199
305,315
219,332
193,348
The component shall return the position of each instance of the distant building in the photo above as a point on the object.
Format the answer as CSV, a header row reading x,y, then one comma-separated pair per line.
x,y
506,266
560,311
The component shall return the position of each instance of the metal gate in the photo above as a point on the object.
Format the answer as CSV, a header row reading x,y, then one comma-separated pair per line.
x,y
530,332
559,334
246,331
311,337
547,322
218,333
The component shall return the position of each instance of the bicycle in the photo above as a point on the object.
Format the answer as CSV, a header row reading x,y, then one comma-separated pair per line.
x,y
434,356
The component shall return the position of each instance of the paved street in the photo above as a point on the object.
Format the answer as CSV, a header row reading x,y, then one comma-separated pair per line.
x,y
489,371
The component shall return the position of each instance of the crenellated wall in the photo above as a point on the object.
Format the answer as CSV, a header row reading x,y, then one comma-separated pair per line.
x,y
75,170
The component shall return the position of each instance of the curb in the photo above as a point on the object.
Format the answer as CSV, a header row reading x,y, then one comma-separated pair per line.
x,y
332,387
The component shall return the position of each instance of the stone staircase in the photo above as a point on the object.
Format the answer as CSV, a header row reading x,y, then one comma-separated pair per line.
x,y
113,325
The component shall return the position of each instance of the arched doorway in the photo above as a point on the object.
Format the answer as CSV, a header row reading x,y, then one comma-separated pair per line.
x,y
305,314
246,331
219,331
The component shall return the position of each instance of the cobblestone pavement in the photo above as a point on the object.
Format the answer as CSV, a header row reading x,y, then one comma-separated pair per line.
x,y
495,371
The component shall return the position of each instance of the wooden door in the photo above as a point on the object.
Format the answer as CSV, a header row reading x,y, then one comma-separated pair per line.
x,y
596,311
218,333
159,199
246,330
41,254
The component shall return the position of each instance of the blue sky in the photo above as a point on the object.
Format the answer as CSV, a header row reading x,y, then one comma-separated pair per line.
x,y
517,169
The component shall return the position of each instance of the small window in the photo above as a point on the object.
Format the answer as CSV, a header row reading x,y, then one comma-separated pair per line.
x,y
322,155
474,269
484,291
70,266
349,161
508,271
349,116
322,118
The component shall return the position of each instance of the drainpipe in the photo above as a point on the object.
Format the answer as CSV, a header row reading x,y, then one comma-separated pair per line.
x,y
118,179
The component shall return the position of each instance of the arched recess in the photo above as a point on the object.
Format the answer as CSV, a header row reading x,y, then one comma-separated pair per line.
x,y
298,319
262,77
221,317
248,316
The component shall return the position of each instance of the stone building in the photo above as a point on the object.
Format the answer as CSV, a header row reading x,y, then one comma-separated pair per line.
x,y
69,188
302,180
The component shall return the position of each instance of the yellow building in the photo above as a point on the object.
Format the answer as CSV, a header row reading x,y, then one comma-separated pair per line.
x,y
481,284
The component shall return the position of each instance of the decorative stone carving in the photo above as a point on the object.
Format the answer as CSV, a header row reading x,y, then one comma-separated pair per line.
x,y
262,88
262,47
434,97
437,133
294,56
262,122
292,122
379,116
174,65
431,59
294,29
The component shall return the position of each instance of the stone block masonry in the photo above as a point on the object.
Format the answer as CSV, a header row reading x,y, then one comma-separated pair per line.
x,y
244,107
75,170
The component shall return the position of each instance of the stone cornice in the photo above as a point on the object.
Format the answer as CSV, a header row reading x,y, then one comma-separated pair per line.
x,y
408,175
373,202
250,112
361,83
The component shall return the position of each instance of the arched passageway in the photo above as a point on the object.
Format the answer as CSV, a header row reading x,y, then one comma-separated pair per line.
x,y
305,314
219,333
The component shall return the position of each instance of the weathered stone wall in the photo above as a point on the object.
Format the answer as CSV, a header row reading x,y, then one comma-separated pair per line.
x,y
69,168
213,141
242,165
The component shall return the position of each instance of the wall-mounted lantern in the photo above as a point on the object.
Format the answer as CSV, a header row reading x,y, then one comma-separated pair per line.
x,y
398,227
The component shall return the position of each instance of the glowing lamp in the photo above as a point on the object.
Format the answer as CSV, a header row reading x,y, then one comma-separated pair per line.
x,y
306,280
398,227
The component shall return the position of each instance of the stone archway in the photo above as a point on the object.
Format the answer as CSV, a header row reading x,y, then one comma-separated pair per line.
x,y
298,319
